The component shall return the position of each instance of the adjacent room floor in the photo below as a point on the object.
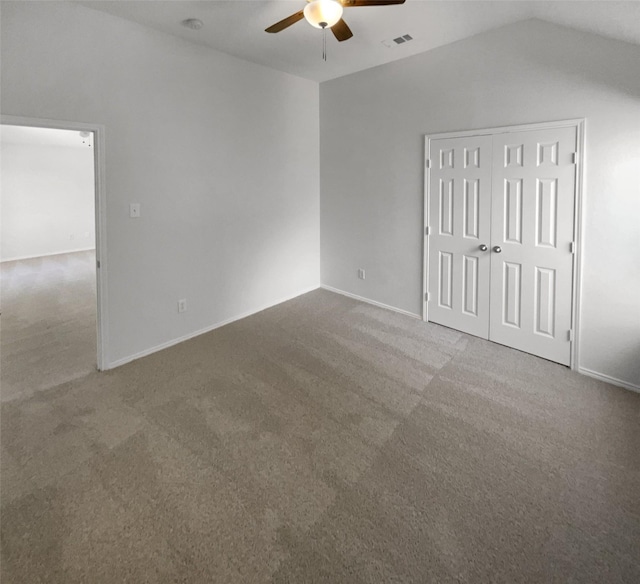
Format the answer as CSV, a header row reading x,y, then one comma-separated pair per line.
x,y
48,322
324,440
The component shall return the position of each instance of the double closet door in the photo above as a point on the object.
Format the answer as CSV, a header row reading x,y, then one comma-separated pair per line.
x,y
501,228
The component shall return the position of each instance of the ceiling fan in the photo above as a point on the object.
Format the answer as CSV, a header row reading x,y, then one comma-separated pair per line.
x,y
328,14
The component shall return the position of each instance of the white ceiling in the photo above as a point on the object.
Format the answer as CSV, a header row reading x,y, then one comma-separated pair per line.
x,y
237,27
43,137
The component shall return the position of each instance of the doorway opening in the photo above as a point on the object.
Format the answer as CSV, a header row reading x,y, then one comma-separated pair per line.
x,y
50,254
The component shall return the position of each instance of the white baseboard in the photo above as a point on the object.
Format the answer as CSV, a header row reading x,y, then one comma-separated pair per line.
x,y
46,255
208,329
609,379
124,360
583,370
368,301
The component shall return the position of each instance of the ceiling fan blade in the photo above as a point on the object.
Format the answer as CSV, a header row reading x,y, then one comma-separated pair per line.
x,y
350,3
286,22
341,30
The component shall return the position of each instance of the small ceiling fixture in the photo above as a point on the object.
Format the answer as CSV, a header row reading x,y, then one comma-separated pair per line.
x,y
403,39
85,137
391,43
323,13
192,23
326,14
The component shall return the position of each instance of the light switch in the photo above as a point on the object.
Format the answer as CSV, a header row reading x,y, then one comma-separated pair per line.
x,y
134,210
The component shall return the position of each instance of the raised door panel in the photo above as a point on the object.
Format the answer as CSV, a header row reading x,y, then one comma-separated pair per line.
x,y
459,219
532,223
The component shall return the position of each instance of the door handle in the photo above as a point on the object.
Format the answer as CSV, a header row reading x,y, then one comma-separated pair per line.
x,y
483,247
497,249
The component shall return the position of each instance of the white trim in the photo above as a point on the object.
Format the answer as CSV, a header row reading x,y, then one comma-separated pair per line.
x,y
47,255
426,229
609,379
99,149
207,329
507,129
580,125
368,301
578,224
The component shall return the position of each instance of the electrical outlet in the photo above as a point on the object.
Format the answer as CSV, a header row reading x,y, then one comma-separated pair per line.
x,y
182,305
361,273
134,210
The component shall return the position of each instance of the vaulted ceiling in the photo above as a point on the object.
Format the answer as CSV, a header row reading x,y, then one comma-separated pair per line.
x,y
237,27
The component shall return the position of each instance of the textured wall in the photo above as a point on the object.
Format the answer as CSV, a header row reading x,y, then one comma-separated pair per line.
x,y
222,155
47,200
372,145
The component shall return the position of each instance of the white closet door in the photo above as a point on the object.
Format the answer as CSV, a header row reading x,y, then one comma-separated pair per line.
x,y
532,229
459,223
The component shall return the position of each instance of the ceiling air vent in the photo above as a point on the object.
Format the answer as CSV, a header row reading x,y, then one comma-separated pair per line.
x,y
405,38
192,23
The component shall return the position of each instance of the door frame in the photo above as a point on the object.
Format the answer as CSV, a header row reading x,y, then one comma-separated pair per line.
x,y
100,208
580,125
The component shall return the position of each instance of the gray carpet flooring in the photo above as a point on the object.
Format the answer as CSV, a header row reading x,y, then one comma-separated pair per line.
x,y
324,440
48,322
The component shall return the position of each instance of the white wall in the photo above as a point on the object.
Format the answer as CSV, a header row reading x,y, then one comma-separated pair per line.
x,y
372,134
222,155
47,201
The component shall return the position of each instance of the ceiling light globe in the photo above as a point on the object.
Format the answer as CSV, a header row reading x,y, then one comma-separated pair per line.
x,y
323,13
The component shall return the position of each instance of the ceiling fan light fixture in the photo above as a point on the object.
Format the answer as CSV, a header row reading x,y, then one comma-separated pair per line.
x,y
323,13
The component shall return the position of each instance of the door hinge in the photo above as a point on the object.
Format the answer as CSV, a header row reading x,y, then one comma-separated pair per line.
x,y
98,264
426,296
428,163
572,247
570,335
574,157
426,230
